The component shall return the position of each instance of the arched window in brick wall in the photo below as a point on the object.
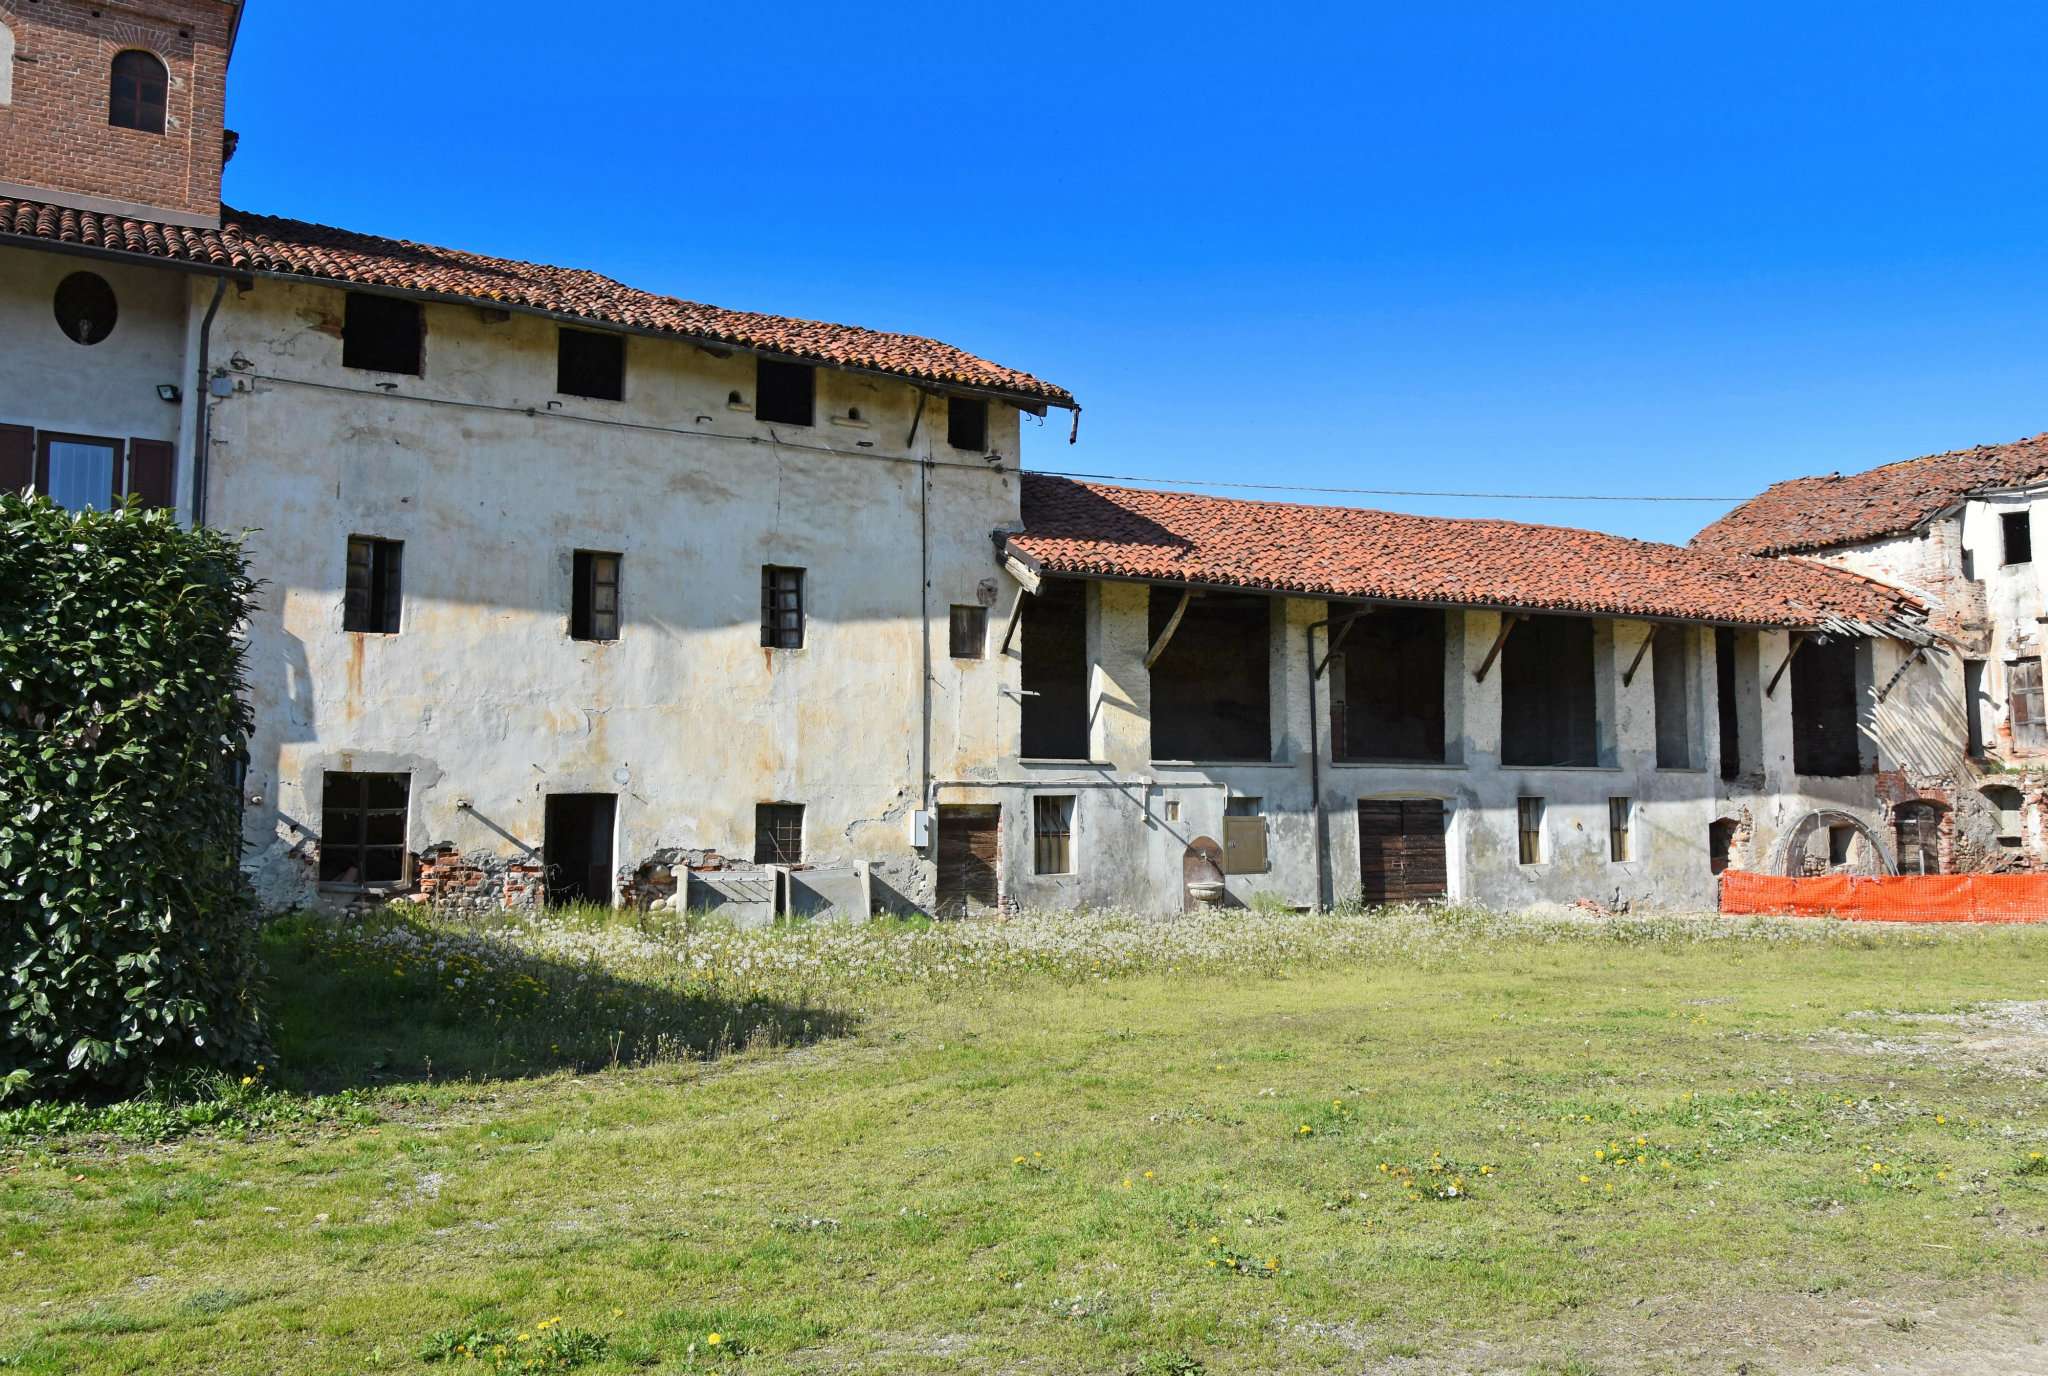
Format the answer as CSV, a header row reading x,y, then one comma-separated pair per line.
x,y
138,91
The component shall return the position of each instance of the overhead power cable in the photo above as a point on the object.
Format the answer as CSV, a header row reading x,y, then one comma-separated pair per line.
x,y
1386,491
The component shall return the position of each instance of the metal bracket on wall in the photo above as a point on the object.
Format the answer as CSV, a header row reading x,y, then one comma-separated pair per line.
x,y
1628,675
1342,626
1507,624
1798,639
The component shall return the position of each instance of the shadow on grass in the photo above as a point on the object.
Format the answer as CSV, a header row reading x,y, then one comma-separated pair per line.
x,y
395,997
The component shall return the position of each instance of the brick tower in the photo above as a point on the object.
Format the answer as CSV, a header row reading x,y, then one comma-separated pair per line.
x,y
116,108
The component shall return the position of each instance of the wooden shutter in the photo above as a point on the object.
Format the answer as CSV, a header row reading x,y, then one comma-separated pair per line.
x,y
1401,850
2023,696
152,467
967,858
17,458
1422,839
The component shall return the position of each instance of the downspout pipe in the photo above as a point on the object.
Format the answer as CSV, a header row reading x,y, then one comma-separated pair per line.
x,y
202,424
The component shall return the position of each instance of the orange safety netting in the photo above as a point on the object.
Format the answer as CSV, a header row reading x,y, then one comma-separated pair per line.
x,y
1892,898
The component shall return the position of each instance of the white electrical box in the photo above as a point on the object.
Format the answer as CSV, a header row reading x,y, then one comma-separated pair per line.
x,y
920,828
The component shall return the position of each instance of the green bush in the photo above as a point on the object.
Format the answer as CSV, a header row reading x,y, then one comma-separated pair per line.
x,y
128,940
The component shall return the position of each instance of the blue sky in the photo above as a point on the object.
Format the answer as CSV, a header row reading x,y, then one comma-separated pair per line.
x,y
1522,248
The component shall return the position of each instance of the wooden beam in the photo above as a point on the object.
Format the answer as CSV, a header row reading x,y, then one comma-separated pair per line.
x,y
1342,626
1022,572
1016,615
1507,623
1900,672
1628,675
1798,638
1180,609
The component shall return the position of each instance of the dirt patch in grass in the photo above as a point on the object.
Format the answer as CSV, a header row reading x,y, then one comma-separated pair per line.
x,y
2009,1038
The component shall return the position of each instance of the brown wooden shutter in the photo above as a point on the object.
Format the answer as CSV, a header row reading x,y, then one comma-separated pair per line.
x,y
17,458
152,469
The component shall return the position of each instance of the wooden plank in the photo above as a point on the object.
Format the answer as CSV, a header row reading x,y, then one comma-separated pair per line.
x,y
1180,609
1798,639
1016,616
1628,675
1507,624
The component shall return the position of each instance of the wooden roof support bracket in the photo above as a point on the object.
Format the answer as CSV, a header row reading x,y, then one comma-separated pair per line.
x,y
1628,675
1016,615
1342,627
1180,609
1798,638
1508,622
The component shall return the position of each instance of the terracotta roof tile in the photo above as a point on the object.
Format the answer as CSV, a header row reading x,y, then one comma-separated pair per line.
x,y
1080,529
268,244
1823,512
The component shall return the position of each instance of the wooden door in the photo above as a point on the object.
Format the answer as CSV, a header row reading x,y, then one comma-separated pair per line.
x,y
967,858
1401,855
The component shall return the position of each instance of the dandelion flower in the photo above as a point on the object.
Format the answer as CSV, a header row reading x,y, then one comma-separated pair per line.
x,y
617,1312
1940,1118
1585,1180
1019,1161
1149,1175
1272,1263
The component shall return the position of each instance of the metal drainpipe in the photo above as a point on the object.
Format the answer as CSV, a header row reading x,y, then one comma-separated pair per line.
x,y
202,424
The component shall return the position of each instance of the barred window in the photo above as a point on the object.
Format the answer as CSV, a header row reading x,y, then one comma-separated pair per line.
x,y
779,834
1052,835
594,602
372,598
362,828
782,607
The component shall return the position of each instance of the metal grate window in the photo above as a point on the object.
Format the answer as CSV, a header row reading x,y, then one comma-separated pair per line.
x,y
1620,837
594,602
782,607
970,632
779,834
1529,827
374,573
362,828
1052,835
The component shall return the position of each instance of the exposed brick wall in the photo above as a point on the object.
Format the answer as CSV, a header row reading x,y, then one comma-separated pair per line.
x,y
54,135
446,878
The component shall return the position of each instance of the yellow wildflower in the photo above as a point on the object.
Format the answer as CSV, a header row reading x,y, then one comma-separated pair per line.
x,y
714,1340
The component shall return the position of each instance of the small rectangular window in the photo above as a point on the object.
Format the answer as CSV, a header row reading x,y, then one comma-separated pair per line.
x,y
1841,841
594,601
2018,530
1052,835
381,334
1720,844
362,828
78,472
779,834
1529,829
785,393
1620,841
970,632
374,572
967,424
588,364
782,607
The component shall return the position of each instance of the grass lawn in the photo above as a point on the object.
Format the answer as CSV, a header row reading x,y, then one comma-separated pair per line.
x,y
1264,1143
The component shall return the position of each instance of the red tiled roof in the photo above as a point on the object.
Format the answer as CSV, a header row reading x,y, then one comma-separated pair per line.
x,y
294,248
1819,513
1083,529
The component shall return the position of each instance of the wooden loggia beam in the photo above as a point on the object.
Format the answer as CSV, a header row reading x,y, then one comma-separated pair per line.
x,y
1900,672
1016,615
1180,609
1628,675
1798,639
1507,624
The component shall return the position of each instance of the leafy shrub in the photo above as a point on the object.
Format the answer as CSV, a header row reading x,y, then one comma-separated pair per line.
x,y
127,936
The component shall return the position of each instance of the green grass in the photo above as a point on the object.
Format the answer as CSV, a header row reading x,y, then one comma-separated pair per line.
x,y
913,1149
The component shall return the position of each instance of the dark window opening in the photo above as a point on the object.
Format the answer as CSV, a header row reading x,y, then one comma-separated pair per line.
x,y
138,90
1547,702
2023,707
576,846
1054,672
594,600
85,308
1918,829
1671,682
1726,708
592,365
2018,529
2010,805
1529,830
1387,687
362,828
1052,835
785,393
969,632
1973,704
1841,844
782,607
967,424
1825,740
1211,689
1620,836
779,833
381,334
374,576
1720,844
